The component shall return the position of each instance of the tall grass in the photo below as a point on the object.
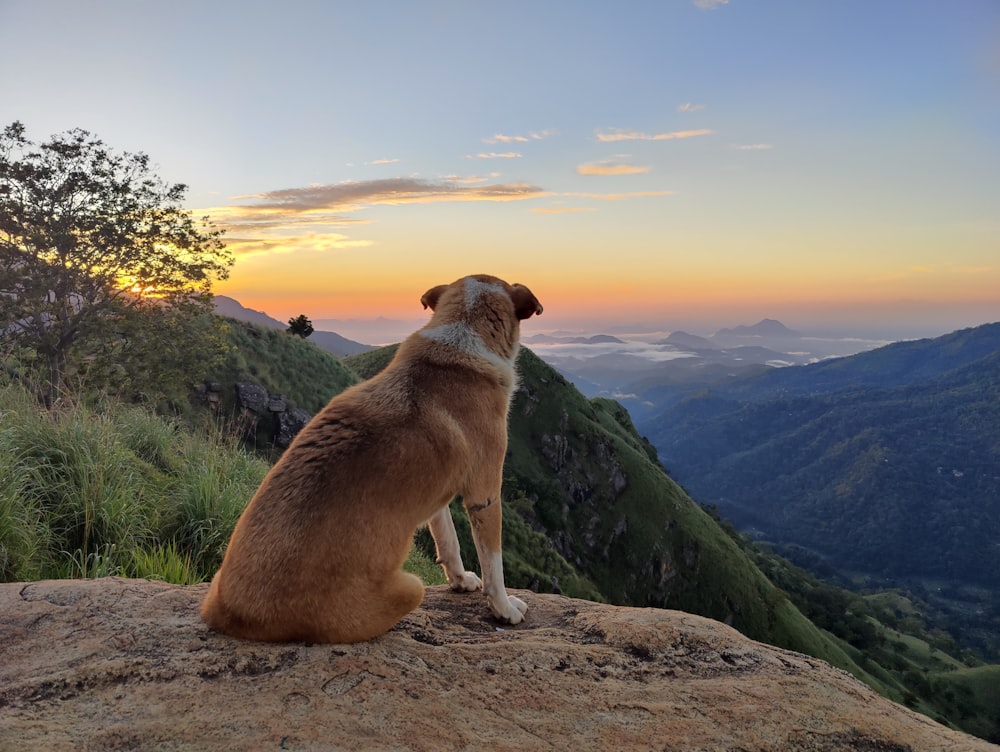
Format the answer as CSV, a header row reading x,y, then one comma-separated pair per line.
x,y
209,492
115,490
112,489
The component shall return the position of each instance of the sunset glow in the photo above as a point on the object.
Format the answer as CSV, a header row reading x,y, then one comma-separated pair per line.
x,y
672,165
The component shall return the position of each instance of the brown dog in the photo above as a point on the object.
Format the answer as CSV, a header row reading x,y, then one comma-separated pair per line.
x,y
317,555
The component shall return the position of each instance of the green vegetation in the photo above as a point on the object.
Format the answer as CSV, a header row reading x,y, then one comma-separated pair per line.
x,y
305,374
917,664
300,326
579,477
105,279
114,490
99,488
883,467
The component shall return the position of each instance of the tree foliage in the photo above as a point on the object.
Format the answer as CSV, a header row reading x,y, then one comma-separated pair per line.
x,y
97,253
300,325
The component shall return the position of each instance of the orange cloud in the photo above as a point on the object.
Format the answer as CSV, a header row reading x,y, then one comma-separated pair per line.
x,y
610,168
495,155
300,218
621,196
562,209
620,134
352,195
534,136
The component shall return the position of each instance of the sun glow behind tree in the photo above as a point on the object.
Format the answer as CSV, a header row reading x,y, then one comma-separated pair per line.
x,y
93,244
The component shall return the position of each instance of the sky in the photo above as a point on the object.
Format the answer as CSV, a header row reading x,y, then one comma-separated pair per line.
x,y
670,164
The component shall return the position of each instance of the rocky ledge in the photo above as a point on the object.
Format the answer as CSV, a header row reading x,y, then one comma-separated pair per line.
x,y
117,664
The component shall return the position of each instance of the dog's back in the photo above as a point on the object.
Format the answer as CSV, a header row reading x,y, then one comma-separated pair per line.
x,y
305,543
318,553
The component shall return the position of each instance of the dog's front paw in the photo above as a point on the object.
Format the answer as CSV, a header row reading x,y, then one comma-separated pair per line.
x,y
466,582
509,609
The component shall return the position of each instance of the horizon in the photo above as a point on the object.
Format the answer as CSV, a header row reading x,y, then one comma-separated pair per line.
x,y
687,165
384,330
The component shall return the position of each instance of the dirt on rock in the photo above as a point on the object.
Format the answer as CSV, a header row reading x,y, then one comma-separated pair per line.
x,y
115,664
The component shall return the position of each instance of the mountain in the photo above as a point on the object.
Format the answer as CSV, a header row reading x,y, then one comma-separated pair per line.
x,y
899,364
763,328
597,339
593,512
649,377
233,309
589,512
685,341
305,374
330,341
884,464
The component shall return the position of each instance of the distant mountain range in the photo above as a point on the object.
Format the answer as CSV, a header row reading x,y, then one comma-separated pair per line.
x,y
885,463
329,341
650,376
763,328
549,339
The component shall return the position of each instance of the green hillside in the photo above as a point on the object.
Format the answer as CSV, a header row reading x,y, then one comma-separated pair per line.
x,y
113,489
307,375
579,476
893,483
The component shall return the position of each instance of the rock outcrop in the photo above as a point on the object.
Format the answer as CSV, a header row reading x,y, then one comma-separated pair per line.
x,y
117,664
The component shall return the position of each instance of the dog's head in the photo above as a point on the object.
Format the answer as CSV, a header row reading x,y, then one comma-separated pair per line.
x,y
480,315
469,293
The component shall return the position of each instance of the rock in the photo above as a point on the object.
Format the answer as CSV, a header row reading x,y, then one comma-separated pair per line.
x,y
116,664
290,423
251,397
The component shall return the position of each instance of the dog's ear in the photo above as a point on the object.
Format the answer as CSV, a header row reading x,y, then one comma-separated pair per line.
x,y
430,298
526,304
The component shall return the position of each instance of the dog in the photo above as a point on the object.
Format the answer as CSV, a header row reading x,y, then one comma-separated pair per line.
x,y
317,555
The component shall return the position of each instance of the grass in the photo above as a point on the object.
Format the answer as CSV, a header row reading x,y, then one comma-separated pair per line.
x,y
110,490
304,373
95,491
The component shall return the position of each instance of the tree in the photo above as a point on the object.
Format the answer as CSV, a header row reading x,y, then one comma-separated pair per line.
x,y
93,243
300,325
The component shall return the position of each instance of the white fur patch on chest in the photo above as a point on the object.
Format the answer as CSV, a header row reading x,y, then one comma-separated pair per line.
x,y
461,337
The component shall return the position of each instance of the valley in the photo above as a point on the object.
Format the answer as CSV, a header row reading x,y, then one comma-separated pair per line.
x,y
876,470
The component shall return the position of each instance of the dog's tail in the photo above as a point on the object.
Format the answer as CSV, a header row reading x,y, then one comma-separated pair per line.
x,y
220,617
213,611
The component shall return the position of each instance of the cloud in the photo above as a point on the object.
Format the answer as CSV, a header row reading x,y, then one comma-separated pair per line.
x,y
620,196
352,195
501,139
272,218
751,147
382,162
562,209
709,4
610,167
303,218
689,107
620,134
534,136
244,247
495,155
470,179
